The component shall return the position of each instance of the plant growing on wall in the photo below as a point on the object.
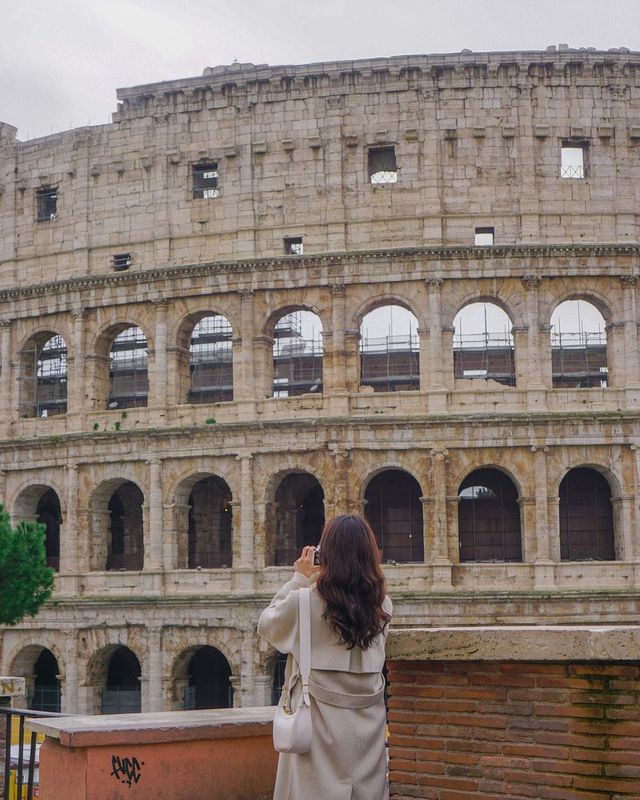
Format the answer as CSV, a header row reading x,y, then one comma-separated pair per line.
x,y
26,582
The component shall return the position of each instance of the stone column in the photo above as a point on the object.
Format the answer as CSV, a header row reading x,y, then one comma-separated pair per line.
x,y
616,355
635,511
440,366
629,283
352,370
341,498
427,515
262,685
153,539
160,358
243,377
263,362
338,379
623,526
7,410
441,555
244,546
3,487
535,368
70,545
154,646
424,345
79,378
69,698
547,552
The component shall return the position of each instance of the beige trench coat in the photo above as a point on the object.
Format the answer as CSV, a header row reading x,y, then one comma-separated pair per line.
x,y
347,760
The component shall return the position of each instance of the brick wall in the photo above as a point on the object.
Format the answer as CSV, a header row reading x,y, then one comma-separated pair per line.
x,y
470,730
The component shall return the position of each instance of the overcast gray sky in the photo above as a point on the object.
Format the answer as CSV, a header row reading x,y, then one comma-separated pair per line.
x,y
61,62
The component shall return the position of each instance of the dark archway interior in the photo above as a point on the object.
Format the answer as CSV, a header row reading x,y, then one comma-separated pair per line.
x,y
394,511
46,687
586,517
48,514
209,680
126,540
279,665
489,517
210,524
299,516
121,694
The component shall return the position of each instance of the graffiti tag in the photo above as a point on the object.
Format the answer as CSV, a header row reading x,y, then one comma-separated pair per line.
x,y
126,770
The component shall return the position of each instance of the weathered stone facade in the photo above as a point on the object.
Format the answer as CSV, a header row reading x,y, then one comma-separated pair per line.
x,y
477,141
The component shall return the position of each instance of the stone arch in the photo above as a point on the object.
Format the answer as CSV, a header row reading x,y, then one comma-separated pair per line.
x,y
393,507
483,342
390,298
600,301
281,310
489,516
588,525
580,357
201,678
42,503
121,368
203,521
296,501
42,374
40,665
204,346
511,306
117,525
297,361
114,673
389,350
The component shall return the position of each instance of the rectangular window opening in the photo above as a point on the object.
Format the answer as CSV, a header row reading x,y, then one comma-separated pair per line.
x,y
121,261
47,198
382,166
206,180
573,162
293,245
485,236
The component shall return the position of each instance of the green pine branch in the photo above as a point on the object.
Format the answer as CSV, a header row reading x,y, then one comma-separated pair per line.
x,y
26,582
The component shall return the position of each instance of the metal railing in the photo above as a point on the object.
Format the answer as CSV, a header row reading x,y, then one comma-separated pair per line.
x,y
26,753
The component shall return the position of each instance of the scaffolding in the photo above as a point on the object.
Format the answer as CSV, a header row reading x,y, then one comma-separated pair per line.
x,y
390,363
128,371
489,355
297,357
50,377
579,359
211,361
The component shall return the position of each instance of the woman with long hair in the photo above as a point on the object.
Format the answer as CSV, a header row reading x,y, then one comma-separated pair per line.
x,y
350,615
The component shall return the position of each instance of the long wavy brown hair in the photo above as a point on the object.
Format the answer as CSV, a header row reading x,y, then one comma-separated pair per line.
x,y
351,582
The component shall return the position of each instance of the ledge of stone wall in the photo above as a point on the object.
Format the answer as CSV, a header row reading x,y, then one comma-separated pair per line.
x,y
516,643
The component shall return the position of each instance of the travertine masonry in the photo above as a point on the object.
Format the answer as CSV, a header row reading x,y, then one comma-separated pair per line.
x,y
477,141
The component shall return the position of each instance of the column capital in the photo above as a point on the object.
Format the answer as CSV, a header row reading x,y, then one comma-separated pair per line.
x,y
539,448
155,461
246,294
629,280
160,303
439,453
433,284
244,457
79,313
5,322
338,290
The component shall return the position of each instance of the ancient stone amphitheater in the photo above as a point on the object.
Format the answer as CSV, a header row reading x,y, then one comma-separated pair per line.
x,y
406,287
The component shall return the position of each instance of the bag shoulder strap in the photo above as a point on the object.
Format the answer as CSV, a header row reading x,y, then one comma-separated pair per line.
x,y
305,636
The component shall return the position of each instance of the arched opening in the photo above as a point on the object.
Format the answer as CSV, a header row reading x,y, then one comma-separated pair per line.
x,y
211,360
586,517
48,514
279,664
297,354
578,346
126,538
208,680
389,350
299,502
43,376
128,369
46,683
483,344
394,511
489,517
121,693
39,667
210,524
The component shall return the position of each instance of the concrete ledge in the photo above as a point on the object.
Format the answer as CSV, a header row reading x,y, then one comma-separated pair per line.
x,y
155,728
516,643
181,755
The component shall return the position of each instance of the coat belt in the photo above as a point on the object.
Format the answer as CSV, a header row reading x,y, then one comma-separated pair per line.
x,y
344,699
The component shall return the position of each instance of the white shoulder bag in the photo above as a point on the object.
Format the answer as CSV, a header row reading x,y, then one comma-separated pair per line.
x,y
292,727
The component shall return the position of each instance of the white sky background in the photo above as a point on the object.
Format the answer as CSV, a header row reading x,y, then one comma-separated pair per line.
x,y
61,62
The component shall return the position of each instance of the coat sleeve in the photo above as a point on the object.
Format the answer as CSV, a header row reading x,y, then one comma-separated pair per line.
x,y
278,623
